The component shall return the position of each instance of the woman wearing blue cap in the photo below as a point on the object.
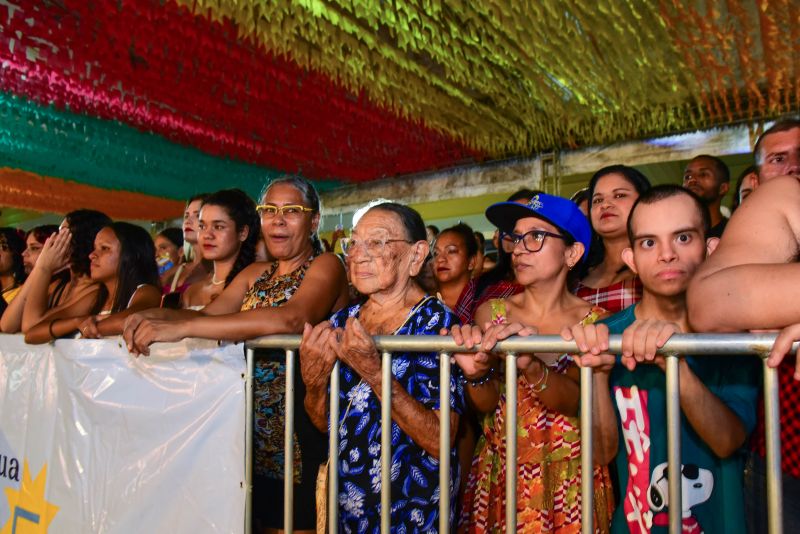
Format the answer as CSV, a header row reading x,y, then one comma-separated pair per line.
x,y
551,238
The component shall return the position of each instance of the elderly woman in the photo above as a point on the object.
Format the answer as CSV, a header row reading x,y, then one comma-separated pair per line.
x,y
303,285
387,250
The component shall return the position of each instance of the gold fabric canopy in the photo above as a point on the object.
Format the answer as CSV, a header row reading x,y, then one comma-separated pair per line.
x,y
514,77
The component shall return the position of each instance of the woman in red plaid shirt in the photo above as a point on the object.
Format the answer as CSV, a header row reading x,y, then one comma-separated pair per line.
x,y
608,282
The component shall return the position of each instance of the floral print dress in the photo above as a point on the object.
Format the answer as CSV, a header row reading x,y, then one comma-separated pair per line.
x,y
414,472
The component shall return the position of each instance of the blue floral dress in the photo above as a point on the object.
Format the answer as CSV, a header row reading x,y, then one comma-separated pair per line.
x,y
415,473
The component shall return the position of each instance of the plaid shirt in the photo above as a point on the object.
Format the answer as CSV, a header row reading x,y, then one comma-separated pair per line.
x,y
613,298
789,400
465,306
499,290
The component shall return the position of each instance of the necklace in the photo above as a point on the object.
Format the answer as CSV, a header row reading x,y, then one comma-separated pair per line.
x,y
214,280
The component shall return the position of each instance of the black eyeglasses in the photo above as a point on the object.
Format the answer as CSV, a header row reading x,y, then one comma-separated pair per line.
x,y
533,241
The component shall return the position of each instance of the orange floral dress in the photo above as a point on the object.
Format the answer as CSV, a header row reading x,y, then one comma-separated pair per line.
x,y
549,465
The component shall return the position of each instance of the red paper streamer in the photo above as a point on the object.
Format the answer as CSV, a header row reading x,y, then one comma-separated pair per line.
x,y
161,69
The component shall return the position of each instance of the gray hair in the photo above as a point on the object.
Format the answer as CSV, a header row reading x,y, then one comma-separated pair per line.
x,y
310,197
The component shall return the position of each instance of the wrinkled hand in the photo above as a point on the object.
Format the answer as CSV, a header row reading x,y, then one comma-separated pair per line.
x,y
357,349
473,365
55,252
783,347
317,355
592,343
643,338
88,328
140,331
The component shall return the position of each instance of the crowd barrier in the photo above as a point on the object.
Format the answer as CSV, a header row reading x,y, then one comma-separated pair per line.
x,y
116,444
704,345
95,440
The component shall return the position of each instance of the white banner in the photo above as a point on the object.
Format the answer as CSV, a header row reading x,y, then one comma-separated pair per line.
x,y
93,440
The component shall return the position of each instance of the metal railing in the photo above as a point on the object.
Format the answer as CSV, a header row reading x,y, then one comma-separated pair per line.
x,y
694,344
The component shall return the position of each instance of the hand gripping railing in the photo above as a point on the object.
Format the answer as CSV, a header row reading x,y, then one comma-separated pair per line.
x,y
694,344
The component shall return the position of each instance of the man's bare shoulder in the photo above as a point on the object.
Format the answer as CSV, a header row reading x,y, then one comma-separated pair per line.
x,y
775,203
780,193
765,228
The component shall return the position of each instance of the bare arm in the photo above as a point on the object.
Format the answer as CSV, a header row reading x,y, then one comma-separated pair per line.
x,y
415,419
592,343
54,256
750,281
559,392
482,397
324,288
562,393
144,298
321,289
61,321
714,422
604,420
11,321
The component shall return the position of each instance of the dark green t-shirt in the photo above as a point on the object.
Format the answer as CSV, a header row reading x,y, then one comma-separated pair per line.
x,y
712,487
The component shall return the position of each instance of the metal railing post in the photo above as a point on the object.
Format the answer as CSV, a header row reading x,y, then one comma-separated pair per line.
x,y
444,442
587,467
696,344
386,443
288,447
248,438
674,443
333,453
511,443
773,445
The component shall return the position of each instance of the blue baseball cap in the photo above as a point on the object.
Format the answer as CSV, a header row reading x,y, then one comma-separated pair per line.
x,y
560,212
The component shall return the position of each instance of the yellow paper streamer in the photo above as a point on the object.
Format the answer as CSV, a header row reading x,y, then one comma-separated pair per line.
x,y
510,77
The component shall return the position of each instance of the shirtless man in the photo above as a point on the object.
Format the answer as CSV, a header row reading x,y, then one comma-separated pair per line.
x,y
751,282
777,151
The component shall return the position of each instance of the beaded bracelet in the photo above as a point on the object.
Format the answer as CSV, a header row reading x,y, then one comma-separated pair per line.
x,y
479,381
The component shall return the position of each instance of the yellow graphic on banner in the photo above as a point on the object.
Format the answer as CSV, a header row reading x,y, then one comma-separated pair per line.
x,y
30,512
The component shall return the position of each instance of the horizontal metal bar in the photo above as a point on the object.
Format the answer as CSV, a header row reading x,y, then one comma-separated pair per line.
x,y
694,344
